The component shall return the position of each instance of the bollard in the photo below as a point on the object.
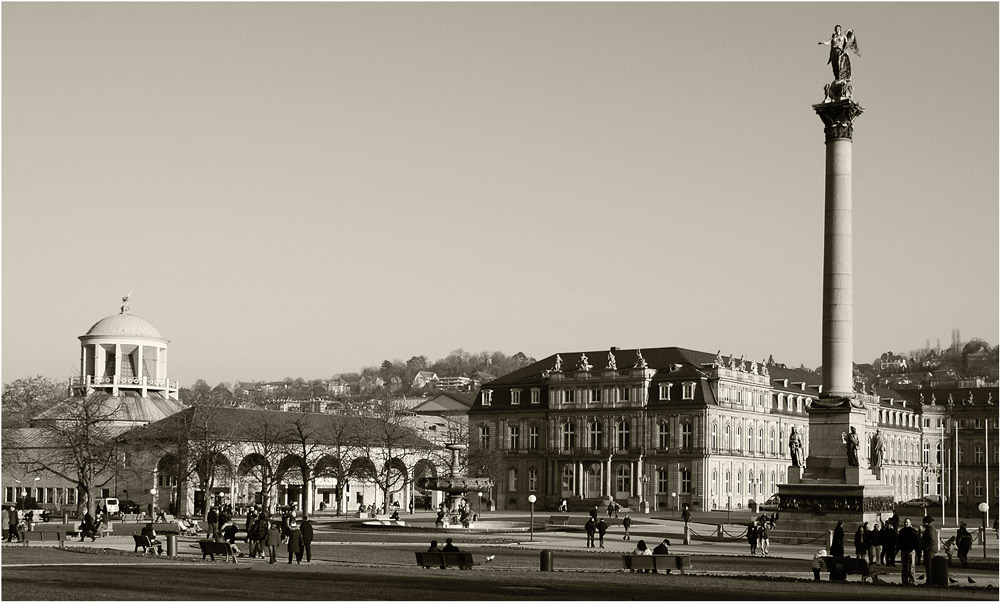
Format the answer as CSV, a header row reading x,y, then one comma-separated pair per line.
x,y
687,535
938,574
546,560
65,518
171,545
718,532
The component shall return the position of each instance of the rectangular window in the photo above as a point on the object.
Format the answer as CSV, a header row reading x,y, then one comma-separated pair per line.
x,y
536,396
978,423
569,396
595,396
665,391
685,480
663,435
688,392
533,438
71,496
8,496
662,485
487,397
515,397
623,393
484,437
515,437
533,479
686,435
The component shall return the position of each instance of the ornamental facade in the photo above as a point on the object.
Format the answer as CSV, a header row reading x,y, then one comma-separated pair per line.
x,y
664,427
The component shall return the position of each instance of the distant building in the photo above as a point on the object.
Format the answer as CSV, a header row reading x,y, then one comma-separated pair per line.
x,y
424,379
455,383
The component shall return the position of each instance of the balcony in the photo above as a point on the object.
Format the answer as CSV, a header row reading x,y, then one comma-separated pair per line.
x,y
128,382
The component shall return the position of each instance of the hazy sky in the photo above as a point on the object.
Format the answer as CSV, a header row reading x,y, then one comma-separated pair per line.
x,y
306,189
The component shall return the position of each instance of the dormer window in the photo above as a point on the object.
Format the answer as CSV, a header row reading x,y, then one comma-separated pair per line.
x,y
687,391
487,397
665,391
536,396
515,397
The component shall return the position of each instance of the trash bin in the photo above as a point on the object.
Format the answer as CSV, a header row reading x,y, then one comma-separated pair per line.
x,y
546,560
172,545
939,571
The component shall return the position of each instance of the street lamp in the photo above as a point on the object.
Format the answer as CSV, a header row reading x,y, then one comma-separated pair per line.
x,y
984,508
531,500
480,494
673,494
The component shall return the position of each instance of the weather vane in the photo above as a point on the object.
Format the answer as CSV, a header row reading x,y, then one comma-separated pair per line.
x,y
840,60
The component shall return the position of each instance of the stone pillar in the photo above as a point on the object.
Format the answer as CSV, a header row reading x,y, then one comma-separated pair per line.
x,y
838,288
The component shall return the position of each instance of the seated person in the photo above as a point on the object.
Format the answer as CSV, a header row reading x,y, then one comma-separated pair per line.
x,y
150,533
161,517
662,549
440,519
395,515
449,547
434,546
641,549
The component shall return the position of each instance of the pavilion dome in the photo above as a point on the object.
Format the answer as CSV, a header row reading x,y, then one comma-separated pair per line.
x,y
124,325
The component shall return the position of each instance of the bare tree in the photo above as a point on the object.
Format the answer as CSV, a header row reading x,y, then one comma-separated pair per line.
x,y
267,434
388,438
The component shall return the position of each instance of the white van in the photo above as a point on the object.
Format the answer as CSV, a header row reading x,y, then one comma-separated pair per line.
x,y
112,503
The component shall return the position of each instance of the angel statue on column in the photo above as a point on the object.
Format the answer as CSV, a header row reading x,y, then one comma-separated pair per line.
x,y
839,45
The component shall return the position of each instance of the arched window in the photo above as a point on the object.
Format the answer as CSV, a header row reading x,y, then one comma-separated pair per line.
x,y
532,479
739,438
715,482
715,436
729,482
773,482
773,450
512,479
760,440
726,441
739,481
596,435
761,483
750,439
569,435
568,478
623,435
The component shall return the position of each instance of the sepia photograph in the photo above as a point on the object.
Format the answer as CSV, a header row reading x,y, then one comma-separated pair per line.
x,y
500,300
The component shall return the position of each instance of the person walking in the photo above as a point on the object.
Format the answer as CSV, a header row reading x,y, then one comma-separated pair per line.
x,y
593,513
752,537
764,536
590,528
258,535
87,528
929,544
837,545
686,514
889,544
307,536
817,563
12,525
861,541
907,541
626,523
602,528
874,543
294,542
273,541
213,522
963,539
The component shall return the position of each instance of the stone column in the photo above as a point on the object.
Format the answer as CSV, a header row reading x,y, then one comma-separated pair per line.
x,y
838,296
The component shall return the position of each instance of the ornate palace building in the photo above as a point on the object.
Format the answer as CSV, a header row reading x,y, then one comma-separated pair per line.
x,y
664,427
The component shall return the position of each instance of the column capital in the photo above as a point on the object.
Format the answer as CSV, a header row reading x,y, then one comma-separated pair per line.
x,y
838,118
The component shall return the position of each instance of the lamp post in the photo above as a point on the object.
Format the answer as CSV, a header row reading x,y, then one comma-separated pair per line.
x,y
531,500
984,508
677,500
480,494
944,485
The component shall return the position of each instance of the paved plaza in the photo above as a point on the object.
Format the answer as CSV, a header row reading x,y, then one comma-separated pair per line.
x,y
354,562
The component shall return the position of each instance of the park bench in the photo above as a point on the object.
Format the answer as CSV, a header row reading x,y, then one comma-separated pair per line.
x,y
28,536
210,547
141,541
840,567
656,562
559,519
133,518
462,560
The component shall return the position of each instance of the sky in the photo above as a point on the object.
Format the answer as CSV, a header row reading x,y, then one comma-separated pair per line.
x,y
307,189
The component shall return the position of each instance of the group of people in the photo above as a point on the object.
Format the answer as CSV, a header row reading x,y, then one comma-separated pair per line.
x,y
759,534
883,542
263,533
597,528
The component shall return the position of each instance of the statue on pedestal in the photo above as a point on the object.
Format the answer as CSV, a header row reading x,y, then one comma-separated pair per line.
x,y
877,452
795,447
852,443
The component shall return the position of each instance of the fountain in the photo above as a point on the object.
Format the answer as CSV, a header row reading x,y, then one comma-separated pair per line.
x,y
455,486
